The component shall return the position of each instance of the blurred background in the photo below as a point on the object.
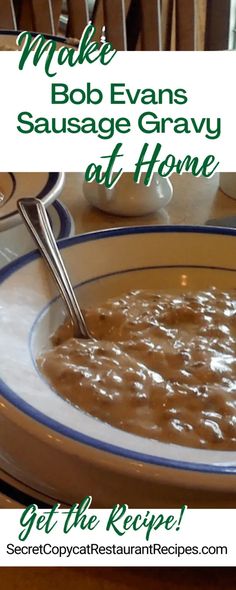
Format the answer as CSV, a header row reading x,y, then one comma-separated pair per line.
x,y
130,24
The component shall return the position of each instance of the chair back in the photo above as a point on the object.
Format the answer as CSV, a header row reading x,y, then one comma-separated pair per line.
x,y
154,25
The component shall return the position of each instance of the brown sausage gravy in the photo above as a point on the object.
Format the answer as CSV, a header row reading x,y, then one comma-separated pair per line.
x,y
163,366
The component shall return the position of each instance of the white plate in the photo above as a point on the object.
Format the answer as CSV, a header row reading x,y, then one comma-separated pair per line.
x,y
13,185
17,241
51,446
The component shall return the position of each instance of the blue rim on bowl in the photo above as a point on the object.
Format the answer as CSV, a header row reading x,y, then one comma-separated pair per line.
x,y
51,187
15,241
12,397
65,220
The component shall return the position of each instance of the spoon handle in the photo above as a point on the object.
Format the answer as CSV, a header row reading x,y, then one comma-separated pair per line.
x,y
35,216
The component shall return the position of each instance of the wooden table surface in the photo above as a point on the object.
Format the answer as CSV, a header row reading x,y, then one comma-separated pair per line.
x,y
195,200
118,579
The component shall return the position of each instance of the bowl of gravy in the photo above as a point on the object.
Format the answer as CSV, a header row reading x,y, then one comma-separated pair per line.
x,y
145,412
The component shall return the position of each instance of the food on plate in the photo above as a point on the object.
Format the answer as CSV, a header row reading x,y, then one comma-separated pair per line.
x,y
161,365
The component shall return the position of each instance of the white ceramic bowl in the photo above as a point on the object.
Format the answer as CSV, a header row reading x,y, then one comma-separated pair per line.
x,y
16,241
46,186
51,446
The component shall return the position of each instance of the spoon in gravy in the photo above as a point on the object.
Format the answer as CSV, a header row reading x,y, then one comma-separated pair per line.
x,y
2,199
37,222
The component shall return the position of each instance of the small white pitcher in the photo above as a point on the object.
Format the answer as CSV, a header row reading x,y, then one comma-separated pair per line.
x,y
128,198
228,183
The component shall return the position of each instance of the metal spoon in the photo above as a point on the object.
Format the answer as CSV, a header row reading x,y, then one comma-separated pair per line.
x,y
36,219
2,199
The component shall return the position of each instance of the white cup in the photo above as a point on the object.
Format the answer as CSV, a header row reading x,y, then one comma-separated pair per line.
x,y
128,198
228,183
